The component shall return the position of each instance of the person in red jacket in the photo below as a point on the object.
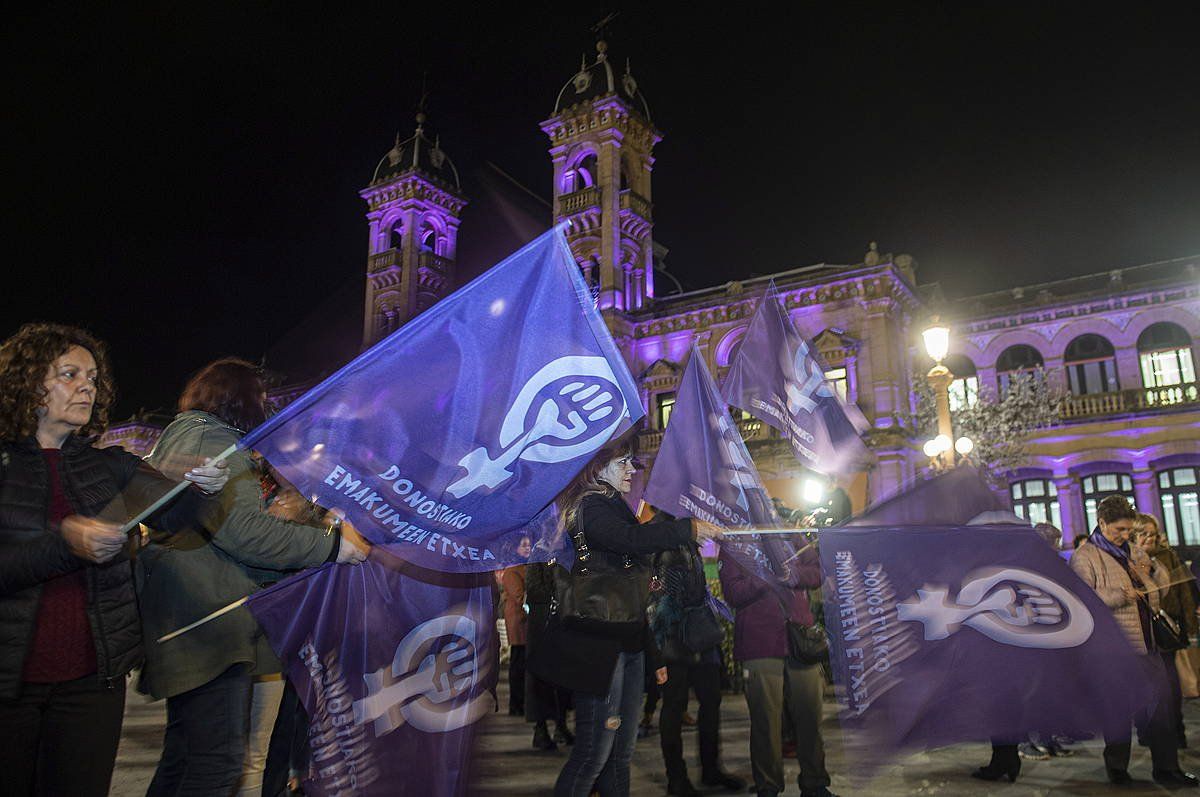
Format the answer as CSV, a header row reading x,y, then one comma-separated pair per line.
x,y
760,644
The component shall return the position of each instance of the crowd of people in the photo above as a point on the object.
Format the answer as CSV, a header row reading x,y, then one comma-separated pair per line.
x,y
82,601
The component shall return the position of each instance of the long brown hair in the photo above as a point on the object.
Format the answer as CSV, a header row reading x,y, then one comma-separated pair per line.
x,y
229,388
588,482
24,360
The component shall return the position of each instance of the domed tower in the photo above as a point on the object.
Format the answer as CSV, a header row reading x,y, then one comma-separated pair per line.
x,y
601,143
414,204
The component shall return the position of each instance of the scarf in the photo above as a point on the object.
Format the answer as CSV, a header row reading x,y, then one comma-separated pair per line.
x,y
1121,554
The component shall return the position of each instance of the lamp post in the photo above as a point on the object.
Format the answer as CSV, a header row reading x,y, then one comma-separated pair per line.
x,y
941,449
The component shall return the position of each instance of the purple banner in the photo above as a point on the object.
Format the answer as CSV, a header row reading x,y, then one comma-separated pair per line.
x,y
777,377
394,672
450,436
944,635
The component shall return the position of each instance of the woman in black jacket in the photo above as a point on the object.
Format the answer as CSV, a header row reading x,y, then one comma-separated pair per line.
x,y
604,672
69,628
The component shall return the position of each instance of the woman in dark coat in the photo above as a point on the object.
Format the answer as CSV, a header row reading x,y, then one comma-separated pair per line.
x,y
69,628
605,672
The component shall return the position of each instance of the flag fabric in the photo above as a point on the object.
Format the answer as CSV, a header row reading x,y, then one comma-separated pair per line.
x,y
394,672
943,635
955,497
777,376
450,437
703,470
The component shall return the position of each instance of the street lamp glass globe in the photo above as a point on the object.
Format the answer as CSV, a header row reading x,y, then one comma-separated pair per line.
x,y
964,445
937,342
943,443
931,449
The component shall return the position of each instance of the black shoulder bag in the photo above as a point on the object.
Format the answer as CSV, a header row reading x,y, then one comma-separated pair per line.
x,y
807,644
601,601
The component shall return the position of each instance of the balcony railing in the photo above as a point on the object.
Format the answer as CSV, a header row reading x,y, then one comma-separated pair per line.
x,y
637,203
580,200
1132,400
434,261
382,260
650,440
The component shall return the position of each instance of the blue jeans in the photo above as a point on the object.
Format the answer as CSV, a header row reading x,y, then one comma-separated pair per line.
x,y
205,742
605,734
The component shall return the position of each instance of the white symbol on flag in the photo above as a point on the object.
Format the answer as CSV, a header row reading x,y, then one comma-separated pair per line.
x,y
1026,610
594,413
425,687
807,383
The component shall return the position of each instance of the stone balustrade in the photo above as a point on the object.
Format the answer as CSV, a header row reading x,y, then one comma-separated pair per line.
x,y
1131,400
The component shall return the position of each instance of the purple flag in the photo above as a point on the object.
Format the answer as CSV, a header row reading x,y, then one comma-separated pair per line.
x,y
955,497
778,377
394,673
703,469
943,635
449,437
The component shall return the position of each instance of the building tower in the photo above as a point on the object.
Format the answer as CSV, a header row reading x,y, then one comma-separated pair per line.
x,y
601,144
414,204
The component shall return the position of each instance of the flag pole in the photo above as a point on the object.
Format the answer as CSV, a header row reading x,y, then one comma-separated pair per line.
x,y
168,496
214,615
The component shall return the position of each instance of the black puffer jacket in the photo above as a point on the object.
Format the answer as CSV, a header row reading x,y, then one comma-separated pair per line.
x,y
108,483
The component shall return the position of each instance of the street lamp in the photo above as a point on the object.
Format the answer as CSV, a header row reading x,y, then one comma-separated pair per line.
x,y
940,449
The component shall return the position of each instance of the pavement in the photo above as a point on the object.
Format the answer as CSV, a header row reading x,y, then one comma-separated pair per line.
x,y
507,766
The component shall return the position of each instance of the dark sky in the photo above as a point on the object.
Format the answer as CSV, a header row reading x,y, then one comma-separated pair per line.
x,y
184,181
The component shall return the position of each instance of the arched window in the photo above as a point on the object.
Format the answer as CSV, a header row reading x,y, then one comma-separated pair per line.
x,y
1100,486
1180,494
1015,361
428,237
1165,351
396,235
964,390
1091,365
1036,500
580,176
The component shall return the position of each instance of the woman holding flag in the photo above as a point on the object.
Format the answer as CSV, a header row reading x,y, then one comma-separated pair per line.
x,y
604,668
68,617
206,675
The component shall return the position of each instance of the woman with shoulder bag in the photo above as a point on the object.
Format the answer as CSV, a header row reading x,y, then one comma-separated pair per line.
x,y
689,638
597,636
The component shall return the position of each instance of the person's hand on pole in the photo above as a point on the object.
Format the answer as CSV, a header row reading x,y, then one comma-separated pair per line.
x,y
354,549
92,539
705,530
210,477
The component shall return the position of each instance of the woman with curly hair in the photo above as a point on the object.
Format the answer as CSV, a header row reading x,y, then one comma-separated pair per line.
x,y
207,674
69,629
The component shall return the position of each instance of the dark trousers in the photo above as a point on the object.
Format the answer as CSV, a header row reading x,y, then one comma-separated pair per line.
x,y
1153,724
545,701
1175,695
288,749
205,742
605,735
516,678
58,739
705,679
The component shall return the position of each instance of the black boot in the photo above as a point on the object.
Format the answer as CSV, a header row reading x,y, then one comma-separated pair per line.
x,y
562,735
1175,779
1005,763
682,787
541,738
723,779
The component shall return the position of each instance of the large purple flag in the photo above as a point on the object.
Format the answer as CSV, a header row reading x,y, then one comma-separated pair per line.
x,y
393,671
778,377
949,634
450,436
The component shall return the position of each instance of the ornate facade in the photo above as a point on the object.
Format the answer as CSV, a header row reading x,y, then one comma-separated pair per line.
x,y
1122,344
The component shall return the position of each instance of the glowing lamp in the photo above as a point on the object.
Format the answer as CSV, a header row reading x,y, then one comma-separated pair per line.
x,y
943,443
964,445
931,449
937,342
813,491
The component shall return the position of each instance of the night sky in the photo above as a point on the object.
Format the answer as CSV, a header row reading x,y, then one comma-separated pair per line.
x,y
184,182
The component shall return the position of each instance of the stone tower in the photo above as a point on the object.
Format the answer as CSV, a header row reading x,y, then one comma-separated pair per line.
x,y
601,144
414,204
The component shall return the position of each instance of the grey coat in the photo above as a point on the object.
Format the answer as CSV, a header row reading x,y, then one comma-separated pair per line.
x,y
236,550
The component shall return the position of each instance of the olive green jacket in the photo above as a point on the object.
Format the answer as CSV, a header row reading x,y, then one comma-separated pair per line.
x,y
236,549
